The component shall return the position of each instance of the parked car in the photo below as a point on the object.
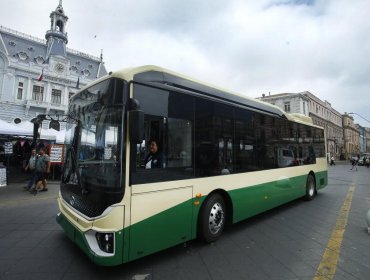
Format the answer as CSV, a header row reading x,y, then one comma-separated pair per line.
x,y
353,158
361,161
364,159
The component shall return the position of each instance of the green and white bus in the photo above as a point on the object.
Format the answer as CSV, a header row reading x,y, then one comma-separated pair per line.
x,y
226,157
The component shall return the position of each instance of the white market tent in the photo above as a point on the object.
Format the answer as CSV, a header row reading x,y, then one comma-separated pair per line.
x,y
26,125
45,134
10,129
52,134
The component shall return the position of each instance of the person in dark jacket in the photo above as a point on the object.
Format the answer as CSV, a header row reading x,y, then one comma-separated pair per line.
x,y
155,158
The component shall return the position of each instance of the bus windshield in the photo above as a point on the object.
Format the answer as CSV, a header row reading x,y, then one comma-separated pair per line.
x,y
94,154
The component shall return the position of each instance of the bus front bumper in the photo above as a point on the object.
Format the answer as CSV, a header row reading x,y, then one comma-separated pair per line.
x,y
85,243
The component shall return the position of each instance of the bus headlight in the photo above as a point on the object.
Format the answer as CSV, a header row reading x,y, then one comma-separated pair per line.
x,y
105,241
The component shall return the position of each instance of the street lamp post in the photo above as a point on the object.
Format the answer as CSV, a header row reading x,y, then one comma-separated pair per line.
x,y
359,116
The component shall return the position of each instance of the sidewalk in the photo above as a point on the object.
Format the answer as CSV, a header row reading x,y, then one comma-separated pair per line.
x,y
15,195
341,162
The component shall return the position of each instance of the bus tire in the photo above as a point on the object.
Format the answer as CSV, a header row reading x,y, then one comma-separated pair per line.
x,y
212,218
310,188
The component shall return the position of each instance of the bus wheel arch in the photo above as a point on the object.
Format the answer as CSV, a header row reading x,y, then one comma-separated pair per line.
x,y
214,215
311,189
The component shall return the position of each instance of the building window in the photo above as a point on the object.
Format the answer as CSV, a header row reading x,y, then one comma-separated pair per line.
x,y
22,56
56,96
20,91
304,108
39,60
86,72
287,107
74,68
38,93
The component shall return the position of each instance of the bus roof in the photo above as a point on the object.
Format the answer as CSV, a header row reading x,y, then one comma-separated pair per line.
x,y
158,76
300,118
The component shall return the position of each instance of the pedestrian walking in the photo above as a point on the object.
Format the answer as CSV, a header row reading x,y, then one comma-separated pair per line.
x,y
332,161
31,167
42,171
354,163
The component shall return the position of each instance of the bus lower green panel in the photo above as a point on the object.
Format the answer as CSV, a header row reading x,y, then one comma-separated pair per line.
x,y
179,223
78,238
253,200
161,231
321,179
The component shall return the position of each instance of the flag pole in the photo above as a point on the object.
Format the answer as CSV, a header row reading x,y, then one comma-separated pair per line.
x,y
78,83
41,76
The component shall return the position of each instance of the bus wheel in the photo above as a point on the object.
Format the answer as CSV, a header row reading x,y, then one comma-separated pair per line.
x,y
213,218
310,187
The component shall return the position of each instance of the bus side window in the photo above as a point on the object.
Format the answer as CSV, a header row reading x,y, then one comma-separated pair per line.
x,y
179,149
175,145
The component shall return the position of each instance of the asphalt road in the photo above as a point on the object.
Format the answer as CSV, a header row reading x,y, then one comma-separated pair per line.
x,y
325,238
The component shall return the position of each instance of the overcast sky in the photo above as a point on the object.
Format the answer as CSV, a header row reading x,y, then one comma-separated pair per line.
x,y
248,46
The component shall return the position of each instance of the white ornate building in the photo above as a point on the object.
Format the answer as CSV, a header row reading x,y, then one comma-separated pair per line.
x,y
351,137
23,58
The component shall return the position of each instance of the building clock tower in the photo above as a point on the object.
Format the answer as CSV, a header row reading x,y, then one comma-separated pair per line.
x,y
57,40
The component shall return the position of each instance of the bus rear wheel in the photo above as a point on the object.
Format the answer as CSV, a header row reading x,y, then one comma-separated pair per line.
x,y
212,218
310,187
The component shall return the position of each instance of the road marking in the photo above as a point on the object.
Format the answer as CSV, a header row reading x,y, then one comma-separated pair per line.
x,y
328,264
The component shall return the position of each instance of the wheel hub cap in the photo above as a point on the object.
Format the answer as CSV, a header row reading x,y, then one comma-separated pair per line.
x,y
216,218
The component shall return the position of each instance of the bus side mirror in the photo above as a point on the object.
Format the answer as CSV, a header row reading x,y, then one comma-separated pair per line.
x,y
136,126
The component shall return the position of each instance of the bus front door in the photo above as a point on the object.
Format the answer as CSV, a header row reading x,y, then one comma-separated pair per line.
x,y
161,217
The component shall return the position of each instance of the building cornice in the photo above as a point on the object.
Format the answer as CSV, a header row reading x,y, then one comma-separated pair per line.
x,y
314,98
43,42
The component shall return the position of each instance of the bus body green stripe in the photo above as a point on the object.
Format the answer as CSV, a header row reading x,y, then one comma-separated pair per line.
x,y
253,200
179,223
256,199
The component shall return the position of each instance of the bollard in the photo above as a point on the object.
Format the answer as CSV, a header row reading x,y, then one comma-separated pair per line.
x,y
368,221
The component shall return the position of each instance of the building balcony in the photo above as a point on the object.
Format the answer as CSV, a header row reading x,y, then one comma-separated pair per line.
x,y
58,107
46,105
37,104
57,34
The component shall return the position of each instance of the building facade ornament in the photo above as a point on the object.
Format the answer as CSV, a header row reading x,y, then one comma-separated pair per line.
x,y
38,76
